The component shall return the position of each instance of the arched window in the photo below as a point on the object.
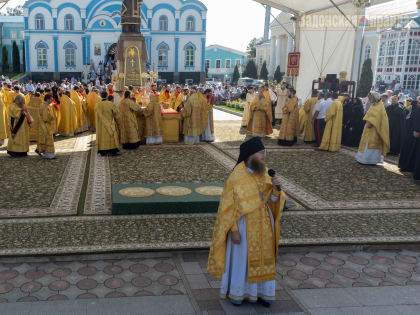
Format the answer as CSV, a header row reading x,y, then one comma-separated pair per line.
x,y
368,50
163,23
69,22
41,54
189,56
70,53
163,55
392,48
382,50
39,22
190,24
411,82
413,52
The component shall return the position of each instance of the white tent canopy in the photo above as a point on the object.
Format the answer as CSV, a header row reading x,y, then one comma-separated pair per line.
x,y
326,50
299,7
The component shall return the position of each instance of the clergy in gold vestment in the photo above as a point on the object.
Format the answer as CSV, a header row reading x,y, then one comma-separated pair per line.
x,y
92,99
309,133
107,119
282,96
129,133
260,116
81,114
68,123
153,115
331,140
3,122
177,97
375,143
207,123
33,109
290,122
250,97
191,112
164,96
46,128
19,122
246,234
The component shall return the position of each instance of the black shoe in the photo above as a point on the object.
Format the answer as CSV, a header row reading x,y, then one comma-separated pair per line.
x,y
37,152
263,302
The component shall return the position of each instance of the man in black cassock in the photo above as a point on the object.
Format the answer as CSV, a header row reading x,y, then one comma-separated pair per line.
x,y
353,123
410,151
397,119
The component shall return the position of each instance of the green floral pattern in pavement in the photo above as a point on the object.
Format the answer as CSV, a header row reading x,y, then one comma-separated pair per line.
x,y
30,182
338,177
166,164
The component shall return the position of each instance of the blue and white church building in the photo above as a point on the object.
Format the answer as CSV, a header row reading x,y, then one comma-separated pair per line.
x,y
63,38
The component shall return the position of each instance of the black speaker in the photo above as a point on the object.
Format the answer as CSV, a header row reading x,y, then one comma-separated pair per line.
x,y
331,78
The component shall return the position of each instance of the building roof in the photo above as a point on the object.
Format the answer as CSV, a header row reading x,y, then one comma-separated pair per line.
x,y
227,49
11,19
396,7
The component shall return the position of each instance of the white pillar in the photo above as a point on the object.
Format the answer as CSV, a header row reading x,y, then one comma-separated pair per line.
x,y
278,52
290,47
272,55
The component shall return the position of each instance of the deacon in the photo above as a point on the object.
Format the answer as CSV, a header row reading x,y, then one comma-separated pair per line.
x,y
81,117
282,96
191,113
331,141
374,144
250,97
68,123
207,123
246,234
107,127
177,98
397,119
19,122
92,99
153,115
260,116
129,133
33,109
309,134
46,129
290,122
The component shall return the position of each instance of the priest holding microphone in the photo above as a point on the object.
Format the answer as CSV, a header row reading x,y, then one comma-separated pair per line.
x,y
246,234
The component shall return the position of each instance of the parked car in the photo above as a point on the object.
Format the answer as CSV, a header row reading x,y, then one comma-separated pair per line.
x,y
245,82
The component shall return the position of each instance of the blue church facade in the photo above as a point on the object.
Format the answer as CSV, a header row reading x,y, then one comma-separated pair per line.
x,y
66,39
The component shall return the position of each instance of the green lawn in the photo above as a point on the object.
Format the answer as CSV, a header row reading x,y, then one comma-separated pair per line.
x,y
230,109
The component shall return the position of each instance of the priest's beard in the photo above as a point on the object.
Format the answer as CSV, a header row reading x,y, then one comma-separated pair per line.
x,y
257,165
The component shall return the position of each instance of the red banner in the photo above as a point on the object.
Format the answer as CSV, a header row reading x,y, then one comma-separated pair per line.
x,y
293,62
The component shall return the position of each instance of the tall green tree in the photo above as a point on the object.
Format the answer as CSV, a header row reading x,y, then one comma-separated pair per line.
x,y
15,58
251,48
366,79
5,59
250,70
15,11
236,75
277,75
264,72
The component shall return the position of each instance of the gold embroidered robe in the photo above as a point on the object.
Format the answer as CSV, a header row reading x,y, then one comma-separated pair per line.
x,y
309,133
260,117
106,126
331,140
91,100
20,142
153,114
46,128
378,136
290,121
3,121
129,132
206,113
241,198
192,116
33,109
68,123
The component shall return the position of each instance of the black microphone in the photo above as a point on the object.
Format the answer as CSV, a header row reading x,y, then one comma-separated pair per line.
x,y
272,173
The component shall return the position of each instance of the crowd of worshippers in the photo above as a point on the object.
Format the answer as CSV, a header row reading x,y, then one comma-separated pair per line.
x,y
378,126
126,118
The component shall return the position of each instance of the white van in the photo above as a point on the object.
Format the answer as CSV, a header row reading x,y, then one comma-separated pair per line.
x,y
245,82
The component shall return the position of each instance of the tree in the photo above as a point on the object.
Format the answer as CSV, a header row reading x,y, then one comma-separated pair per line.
x,y
236,75
250,70
16,11
277,75
15,58
366,79
5,59
264,72
24,56
251,48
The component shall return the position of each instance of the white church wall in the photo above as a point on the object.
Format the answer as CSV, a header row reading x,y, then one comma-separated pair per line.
x,y
77,41
36,38
48,20
197,19
170,41
76,18
196,41
156,17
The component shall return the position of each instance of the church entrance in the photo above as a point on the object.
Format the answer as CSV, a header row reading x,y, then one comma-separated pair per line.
x,y
111,54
